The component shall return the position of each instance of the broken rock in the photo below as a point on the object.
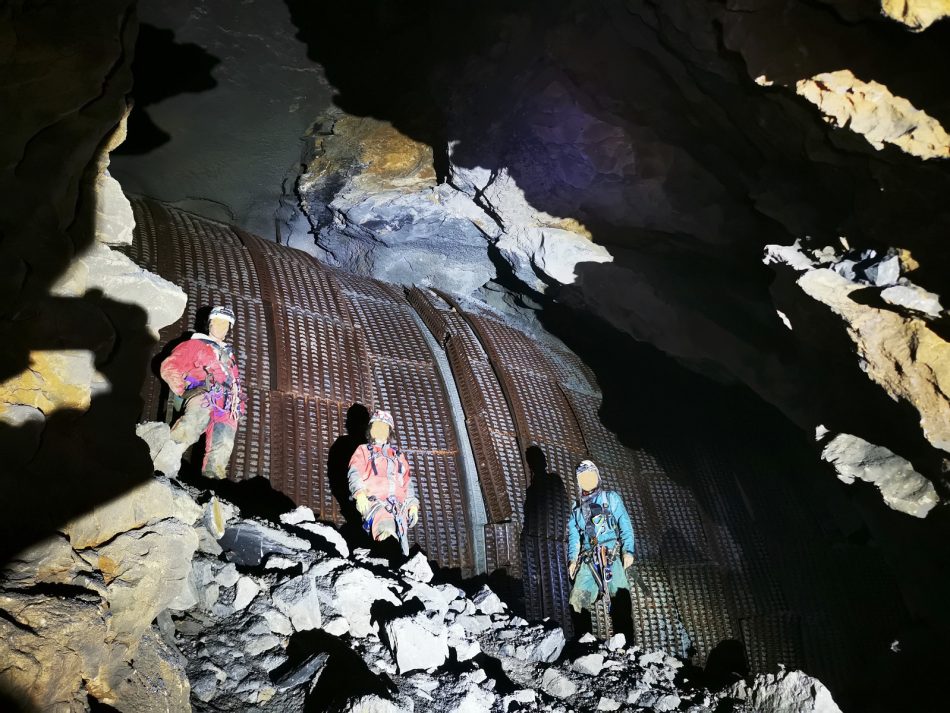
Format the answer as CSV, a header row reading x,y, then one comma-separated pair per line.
x,y
417,642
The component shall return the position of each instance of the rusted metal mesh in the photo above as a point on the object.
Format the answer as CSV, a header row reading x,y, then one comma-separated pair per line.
x,y
312,341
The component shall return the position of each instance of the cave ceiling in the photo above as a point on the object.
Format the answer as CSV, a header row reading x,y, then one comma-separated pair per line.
x,y
628,159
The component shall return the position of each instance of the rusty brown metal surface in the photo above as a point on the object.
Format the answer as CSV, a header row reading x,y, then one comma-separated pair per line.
x,y
313,340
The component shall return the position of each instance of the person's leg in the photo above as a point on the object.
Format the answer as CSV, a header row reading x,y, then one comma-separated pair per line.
x,y
192,423
584,591
218,447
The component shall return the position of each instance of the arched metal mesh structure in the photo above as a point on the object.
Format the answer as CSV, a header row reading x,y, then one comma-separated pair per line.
x,y
312,341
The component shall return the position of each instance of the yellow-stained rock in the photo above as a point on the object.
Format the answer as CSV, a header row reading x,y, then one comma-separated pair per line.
x,y
870,109
54,380
903,355
151,501
916,14
378,156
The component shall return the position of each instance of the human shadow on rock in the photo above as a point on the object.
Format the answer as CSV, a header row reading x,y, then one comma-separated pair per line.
x,y
62,467
162,68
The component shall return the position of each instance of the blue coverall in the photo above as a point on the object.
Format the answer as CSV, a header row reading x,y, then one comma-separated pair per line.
x,y
585,589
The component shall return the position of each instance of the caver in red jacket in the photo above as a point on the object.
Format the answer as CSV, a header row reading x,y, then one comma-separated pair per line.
x,y
205,372
204,363
382,471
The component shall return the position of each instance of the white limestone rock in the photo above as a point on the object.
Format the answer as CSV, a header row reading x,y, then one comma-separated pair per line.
x,y
247,589
785,692
418,568
330,534
903,488
910,296
299,515
556,684
487,602
591,664
354,591
121,279
297,599
417,642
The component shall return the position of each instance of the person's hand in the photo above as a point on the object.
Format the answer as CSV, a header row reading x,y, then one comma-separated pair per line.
x,y
362,502
627,560
413,515
571,568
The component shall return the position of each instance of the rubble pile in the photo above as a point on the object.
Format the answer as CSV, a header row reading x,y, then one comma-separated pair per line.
x,y
285,617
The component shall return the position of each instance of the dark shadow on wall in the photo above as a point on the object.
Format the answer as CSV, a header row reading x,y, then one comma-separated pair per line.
x,y
338,462
78,460
162,69
543,538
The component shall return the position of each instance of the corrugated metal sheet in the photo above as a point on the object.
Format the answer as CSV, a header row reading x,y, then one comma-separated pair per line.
x,y
312,341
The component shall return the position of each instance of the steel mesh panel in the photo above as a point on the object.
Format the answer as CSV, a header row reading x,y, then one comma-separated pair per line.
x,y
227,268
491,475
512,466
251,457
273,251
153,390
516,351
701,600
544,411
389,331
548,499
357,288
683,540
304,286
602,444
546,584
317,356
464,338
772,639
191,228
422,302
493,399
413,393
656,619
828,650
442,531
300,454
570,370
503,548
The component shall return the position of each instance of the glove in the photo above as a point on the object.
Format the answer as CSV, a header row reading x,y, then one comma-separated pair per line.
x,y
571,568
627,560
413,515
362,502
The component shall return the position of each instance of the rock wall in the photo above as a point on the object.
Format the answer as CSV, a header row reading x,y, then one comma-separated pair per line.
x,y
632,161
93,548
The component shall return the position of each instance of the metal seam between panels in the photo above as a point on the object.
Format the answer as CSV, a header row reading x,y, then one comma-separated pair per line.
x,y
474,502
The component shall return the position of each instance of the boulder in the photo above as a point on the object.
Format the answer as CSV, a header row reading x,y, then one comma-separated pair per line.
x,y
487,602
299,515
248,543
144,570
903,488
591,664
785,692
556,684
298,600
330,534
354,591
148,502
417,568
417,642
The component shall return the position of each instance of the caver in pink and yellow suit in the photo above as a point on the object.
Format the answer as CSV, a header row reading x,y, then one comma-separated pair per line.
x,y
205,373
382,472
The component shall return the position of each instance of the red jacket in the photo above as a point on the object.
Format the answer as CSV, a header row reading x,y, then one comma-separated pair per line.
x,y
203,362
381,471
